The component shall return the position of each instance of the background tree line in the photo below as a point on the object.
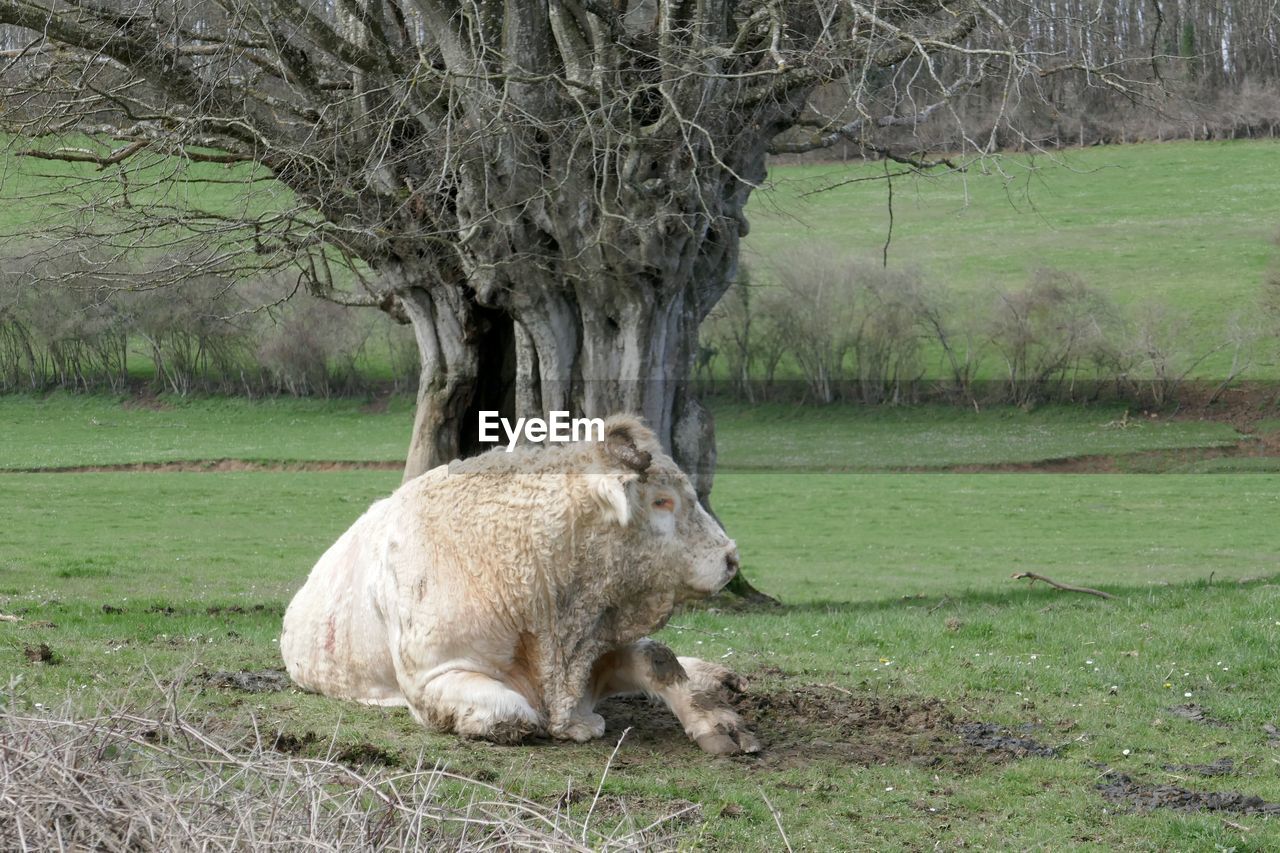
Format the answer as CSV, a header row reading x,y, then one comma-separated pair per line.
x,y
814,326
819,327
1162,69
220,335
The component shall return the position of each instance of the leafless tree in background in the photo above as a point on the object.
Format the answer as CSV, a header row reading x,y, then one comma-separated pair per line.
x,y
551,193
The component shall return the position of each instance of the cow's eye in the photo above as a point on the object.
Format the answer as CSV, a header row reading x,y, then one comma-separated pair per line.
x,y
665,504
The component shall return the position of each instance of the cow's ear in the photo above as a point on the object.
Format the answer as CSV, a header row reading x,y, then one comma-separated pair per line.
x,y
609,490
622,435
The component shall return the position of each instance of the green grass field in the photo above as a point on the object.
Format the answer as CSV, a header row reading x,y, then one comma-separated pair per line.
x,y
897,593
1192,225
64,430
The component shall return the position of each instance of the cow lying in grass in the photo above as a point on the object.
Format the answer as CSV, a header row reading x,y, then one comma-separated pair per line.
x,y
506,595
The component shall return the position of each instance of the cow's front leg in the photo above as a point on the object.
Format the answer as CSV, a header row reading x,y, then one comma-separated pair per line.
x,y
695,690
570,703
475,705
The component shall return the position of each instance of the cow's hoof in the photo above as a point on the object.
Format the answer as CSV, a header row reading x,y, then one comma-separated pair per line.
x,y
738,742
582,729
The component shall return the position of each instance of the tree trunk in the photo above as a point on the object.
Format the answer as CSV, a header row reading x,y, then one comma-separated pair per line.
x,y
532,358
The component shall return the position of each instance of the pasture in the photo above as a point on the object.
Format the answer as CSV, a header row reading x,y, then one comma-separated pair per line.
x,y
1127,217
909,692
1188,225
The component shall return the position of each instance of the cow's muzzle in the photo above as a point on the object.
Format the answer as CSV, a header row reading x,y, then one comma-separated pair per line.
x,y
731,564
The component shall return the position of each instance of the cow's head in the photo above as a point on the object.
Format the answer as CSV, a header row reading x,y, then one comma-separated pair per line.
x,y
641,489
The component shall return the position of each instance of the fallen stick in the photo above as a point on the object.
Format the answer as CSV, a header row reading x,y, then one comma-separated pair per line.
x,y
5,617
1062,586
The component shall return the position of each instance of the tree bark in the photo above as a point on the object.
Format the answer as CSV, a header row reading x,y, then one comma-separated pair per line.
x,y
556,354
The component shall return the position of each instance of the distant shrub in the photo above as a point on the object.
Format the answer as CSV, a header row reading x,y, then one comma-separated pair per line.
x,y
195,334
819,318
744,329
310,347
1050,334
59,325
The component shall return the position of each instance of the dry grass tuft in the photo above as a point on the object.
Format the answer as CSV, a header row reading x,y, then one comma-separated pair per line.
x,y
154,781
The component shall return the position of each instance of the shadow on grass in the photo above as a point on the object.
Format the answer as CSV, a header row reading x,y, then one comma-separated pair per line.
x,y
1019,593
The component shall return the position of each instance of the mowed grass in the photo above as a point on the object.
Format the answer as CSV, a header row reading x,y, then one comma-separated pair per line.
x,y
63,430
896,587
853,438
896,590
68,430
1188,225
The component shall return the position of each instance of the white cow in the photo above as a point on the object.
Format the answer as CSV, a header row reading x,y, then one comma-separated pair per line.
x,y
506,595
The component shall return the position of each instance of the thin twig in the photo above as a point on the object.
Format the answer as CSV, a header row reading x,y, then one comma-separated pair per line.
x,y
777,820
1065,587
586,822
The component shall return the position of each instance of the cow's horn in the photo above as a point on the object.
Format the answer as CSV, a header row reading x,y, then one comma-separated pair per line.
x,y
628,455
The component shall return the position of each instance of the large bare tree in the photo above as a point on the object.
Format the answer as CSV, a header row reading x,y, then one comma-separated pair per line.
x,y
550,191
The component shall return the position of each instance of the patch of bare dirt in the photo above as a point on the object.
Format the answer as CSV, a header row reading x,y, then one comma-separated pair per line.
x,y
1195,713
1265,446
364,754
802,724
1242,406
674,812
248,681
377,405
39,653
1144,797
1218,767
294,744
210,466
240,610
996,739
311,745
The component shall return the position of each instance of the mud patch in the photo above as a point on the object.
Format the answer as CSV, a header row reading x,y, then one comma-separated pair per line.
x,y
1220,767
377,405
802,724
147,403
240,610
365,754
311,745
1140,796
998,739
260,681
1195,713
291,744
39,653
642,810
